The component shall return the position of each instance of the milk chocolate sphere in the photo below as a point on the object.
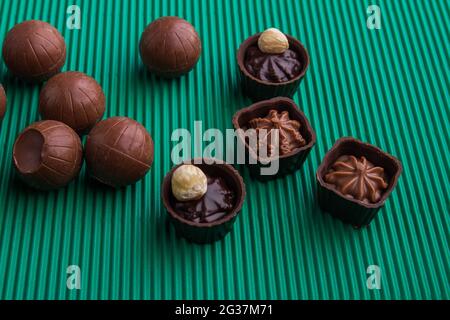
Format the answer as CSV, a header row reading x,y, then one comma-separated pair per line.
x,y
170,47
73,98
119,151
47,154
34,50
2,102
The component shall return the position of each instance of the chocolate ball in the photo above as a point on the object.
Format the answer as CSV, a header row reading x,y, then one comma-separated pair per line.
x,y
119,151
2,102
47,154
73,98
34,50
170,47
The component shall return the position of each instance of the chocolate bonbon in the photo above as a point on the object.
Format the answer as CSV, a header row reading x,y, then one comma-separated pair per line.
x,y
170,47
270,68
2,102
119,151
34,50
210,217
355,179
73,98
47,154
293,148
289,134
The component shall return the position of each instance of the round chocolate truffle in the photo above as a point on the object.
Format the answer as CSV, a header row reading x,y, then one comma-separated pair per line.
x,y
73,98
119,151
47,154
34,50
170,47
2,102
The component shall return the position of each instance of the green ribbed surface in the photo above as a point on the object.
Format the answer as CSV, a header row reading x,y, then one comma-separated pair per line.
x,y
388,87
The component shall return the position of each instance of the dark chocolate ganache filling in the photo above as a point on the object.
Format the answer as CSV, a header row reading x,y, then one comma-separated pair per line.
x,y
273,67
218,201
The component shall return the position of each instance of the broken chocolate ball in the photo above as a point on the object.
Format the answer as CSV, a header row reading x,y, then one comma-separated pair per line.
x,y
2,102
73,98
170,47
119,151
34,50
47,154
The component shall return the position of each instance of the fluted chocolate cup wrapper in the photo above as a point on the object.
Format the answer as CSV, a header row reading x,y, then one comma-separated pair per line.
x,y
352,211
205,232
288,163
257,89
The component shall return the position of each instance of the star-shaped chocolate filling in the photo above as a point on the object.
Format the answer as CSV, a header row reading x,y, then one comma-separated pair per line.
x,y
289,137
357,177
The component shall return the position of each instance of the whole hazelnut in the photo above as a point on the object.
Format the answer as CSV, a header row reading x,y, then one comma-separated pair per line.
x,y
188,183
273,41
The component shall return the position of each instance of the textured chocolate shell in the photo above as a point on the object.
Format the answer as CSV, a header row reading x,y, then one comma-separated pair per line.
x,y
119,151
73,98
47,154
34,50
170,46
2,102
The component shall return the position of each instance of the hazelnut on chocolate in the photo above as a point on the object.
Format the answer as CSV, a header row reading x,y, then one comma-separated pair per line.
x,y
197,216
188,183
273,41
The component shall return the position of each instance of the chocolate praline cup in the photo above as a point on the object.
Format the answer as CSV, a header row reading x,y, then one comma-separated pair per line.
x,y
355,212
203,233
288,163
257,89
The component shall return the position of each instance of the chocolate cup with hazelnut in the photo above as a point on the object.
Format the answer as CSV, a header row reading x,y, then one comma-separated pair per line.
x,y
350,210
288,163
257,89
205,232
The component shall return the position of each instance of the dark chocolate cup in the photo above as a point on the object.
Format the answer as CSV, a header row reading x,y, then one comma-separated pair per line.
x,y
345,208
290,162
205,232
257,89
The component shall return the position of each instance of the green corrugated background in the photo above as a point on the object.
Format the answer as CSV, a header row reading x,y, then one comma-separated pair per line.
x,y
389,87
